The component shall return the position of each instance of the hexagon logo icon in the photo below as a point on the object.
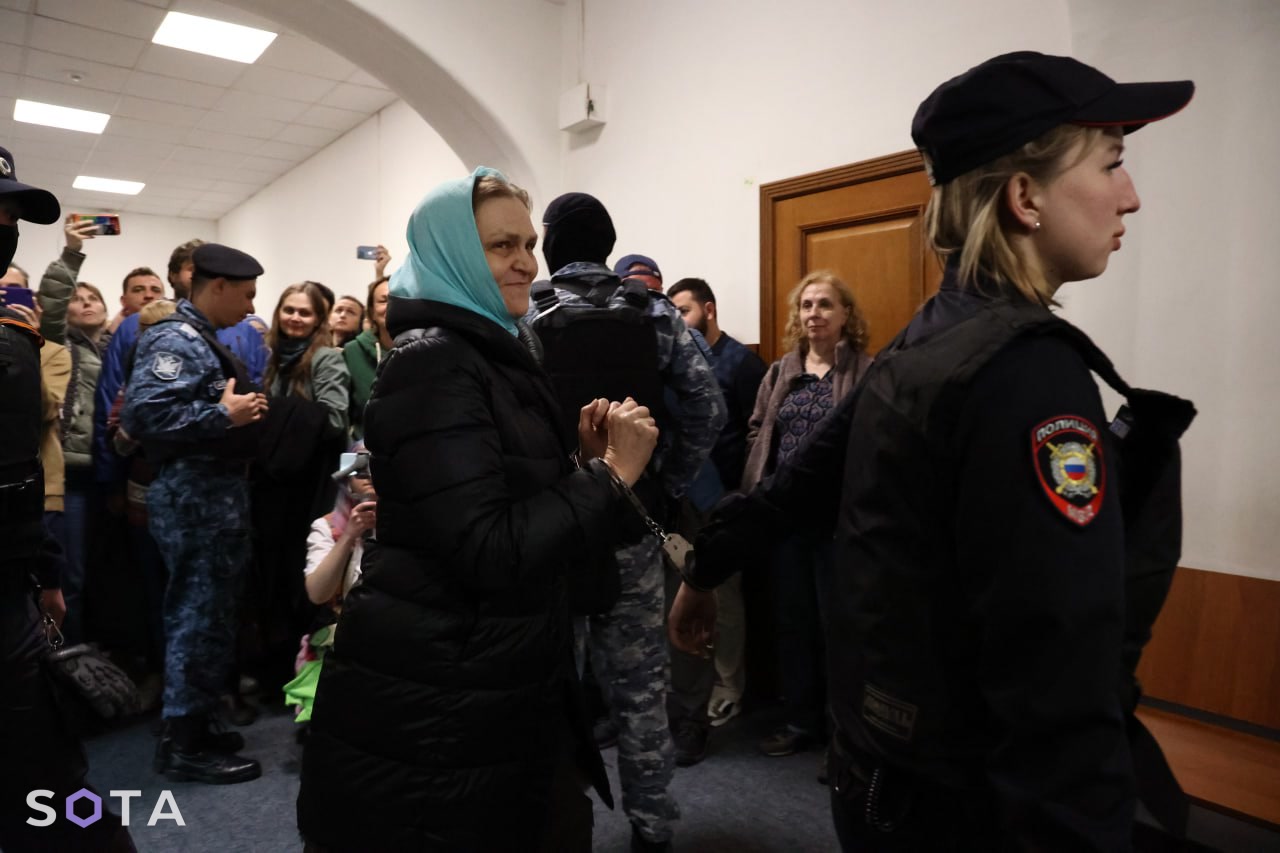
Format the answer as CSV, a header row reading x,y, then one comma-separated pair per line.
x,y
86,794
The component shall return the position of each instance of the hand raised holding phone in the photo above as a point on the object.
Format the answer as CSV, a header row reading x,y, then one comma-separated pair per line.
x,y
78,230
104,224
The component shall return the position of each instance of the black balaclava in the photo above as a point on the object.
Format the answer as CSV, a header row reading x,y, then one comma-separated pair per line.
x,y
578,229
8,245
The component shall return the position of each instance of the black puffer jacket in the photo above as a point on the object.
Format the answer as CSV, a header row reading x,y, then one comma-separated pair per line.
x,y
451,692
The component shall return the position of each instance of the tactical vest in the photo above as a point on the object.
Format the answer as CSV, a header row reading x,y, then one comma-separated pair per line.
x,y
607,348
919,389
21,477
240,444
19,401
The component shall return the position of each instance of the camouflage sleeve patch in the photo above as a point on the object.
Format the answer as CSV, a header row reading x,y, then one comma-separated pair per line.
x,y
1067,454
166,366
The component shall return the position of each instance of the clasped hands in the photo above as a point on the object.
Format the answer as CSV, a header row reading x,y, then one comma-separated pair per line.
x,y
622,434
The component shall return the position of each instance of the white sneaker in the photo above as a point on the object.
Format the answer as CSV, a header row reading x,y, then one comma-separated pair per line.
x,y
721,711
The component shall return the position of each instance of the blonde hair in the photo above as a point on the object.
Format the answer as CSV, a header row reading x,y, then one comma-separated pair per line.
x,y
967,216
855,328
153,312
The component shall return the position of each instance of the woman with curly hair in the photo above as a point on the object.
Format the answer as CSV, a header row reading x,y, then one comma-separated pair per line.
x,y
827,336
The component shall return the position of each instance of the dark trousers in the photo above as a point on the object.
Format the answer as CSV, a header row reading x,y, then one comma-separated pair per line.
x,y
692,677
801,578
569,820
39,750
155,577
68,528
278,611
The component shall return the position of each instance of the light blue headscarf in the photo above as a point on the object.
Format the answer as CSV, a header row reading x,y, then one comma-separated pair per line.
x,y
446,259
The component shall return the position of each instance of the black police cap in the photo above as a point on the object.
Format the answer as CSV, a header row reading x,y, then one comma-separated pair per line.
x,y
995,108
35,205
213,260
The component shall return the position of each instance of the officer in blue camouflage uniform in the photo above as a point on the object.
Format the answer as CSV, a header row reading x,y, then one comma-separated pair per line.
x,y
191,404
628,646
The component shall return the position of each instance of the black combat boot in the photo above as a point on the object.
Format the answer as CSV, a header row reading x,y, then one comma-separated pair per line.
x,y
186,752
217,738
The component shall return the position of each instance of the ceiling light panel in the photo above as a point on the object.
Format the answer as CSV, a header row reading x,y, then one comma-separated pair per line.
x,y
49,115
212,38
107,185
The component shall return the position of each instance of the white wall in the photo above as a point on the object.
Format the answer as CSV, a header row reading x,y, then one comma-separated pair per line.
x,y
1190,304
708,100
359,190
144,241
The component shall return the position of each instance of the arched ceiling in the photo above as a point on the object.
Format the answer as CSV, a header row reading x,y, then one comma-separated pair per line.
x,y
205,134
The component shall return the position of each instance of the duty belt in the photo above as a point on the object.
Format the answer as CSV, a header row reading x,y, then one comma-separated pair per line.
x,y
22,501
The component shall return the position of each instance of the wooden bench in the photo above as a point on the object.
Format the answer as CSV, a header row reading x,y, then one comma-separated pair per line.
x,y
1220,769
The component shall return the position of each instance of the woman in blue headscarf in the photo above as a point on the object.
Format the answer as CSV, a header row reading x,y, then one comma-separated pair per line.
x,y
447,715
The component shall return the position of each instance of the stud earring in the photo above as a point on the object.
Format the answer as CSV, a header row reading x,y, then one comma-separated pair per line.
x,y
1037,225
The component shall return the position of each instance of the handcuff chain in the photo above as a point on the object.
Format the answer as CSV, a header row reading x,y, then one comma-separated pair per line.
x,y
52,633
618,483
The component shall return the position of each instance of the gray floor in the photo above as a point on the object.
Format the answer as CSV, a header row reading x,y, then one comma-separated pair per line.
x,y
737,800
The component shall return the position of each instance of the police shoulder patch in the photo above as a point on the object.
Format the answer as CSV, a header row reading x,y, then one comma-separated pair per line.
x,y
1067,453
166,366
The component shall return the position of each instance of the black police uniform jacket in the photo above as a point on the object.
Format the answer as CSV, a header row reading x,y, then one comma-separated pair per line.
x,y
450,693
981,611
983,621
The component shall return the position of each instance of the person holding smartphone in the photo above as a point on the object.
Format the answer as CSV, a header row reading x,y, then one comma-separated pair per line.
x,y
74,314
335,548
336,541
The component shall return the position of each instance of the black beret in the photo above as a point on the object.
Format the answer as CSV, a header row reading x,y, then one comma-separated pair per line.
x,y
213,260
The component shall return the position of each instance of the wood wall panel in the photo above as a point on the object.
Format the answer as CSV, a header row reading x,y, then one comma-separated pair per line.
x,y
1216,647
862,221
868,252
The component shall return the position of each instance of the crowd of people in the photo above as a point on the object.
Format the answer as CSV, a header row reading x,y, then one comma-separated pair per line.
x,y
949,612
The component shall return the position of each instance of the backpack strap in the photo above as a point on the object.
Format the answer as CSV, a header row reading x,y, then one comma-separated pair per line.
x,y
635,292
544,296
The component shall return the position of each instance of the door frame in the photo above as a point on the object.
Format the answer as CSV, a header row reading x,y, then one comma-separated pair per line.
x,y
891,165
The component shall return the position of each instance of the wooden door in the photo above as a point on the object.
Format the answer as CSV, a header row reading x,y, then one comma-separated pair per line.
x,y
864,222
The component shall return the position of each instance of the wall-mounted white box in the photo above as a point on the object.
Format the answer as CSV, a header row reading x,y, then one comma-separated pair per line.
x,y
582,108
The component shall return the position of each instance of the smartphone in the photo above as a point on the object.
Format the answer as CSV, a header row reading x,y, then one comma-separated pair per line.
x,y
14,294
108,223
367,253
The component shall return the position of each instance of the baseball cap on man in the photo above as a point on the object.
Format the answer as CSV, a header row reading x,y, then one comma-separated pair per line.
x,y
37,205
625,264
997,107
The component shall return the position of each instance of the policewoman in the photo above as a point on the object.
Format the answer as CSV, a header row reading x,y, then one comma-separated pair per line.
x,y
979,671
39,751
1002,549
191,404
